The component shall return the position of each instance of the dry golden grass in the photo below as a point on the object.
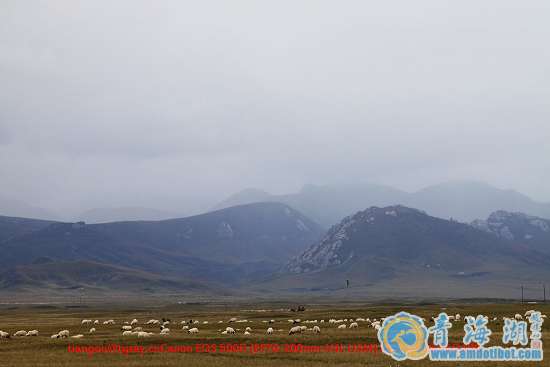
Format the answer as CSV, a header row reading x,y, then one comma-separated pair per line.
x,y
43,351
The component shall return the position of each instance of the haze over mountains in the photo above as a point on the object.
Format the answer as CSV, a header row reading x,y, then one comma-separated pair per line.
x,y
270,247
222,246
462,200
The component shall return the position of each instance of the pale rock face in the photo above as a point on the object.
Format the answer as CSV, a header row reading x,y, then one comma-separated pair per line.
x,y
498,224
225,230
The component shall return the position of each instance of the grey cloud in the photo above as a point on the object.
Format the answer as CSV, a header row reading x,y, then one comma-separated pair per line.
x,y
177,104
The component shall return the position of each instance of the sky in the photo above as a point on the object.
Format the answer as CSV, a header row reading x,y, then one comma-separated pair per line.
x,y
177,104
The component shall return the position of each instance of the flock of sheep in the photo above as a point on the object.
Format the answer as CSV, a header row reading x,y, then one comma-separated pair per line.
x,y
131,328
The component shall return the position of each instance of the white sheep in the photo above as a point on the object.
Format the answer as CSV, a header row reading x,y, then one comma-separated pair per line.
x,y
4,335
193,331
32,333
144,334
133,322
353,325
156,322
64,333
270,330
165,331
230,330
55,336
316,329
20,333
78,336
127,333
246,333
248,328
137,328
518,317
126,327
295,330
185,327
96,322
343,326
109,322
86,322
92,330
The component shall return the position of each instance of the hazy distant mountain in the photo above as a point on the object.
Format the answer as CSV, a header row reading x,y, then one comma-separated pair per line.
x,y
467,201
521,228
461,200
246,196
17,208
408,247
326,204
226,246
105,215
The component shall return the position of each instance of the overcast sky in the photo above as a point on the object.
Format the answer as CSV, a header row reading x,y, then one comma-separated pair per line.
x,y
177,104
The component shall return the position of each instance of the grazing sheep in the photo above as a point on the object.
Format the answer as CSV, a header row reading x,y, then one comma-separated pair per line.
x,y
96,322
127,333
32,333
248,328
133,322
86,322
233,319
92,330
205,322
144,334
138,328
156,322
193,331
270,330
20,333
224,332
109,322
295,330
246,333
343,326
64,333
230,330
164,323
54,336
185,327
78,336
4,335
165,331
353,325
316,329
126,327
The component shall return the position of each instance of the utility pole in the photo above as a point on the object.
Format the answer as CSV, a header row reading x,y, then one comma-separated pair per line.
x,y
522,293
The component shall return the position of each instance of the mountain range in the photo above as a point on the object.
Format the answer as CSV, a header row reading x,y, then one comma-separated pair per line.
x,y
461,200
410,253
225,246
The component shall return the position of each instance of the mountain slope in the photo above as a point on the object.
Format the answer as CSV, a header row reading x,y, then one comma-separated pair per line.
x,y
520,228
11,227
401,244
229,245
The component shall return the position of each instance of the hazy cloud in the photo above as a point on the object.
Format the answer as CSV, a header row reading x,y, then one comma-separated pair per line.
x,y
176,104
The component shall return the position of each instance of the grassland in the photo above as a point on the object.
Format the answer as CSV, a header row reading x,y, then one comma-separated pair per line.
x,y
43,351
